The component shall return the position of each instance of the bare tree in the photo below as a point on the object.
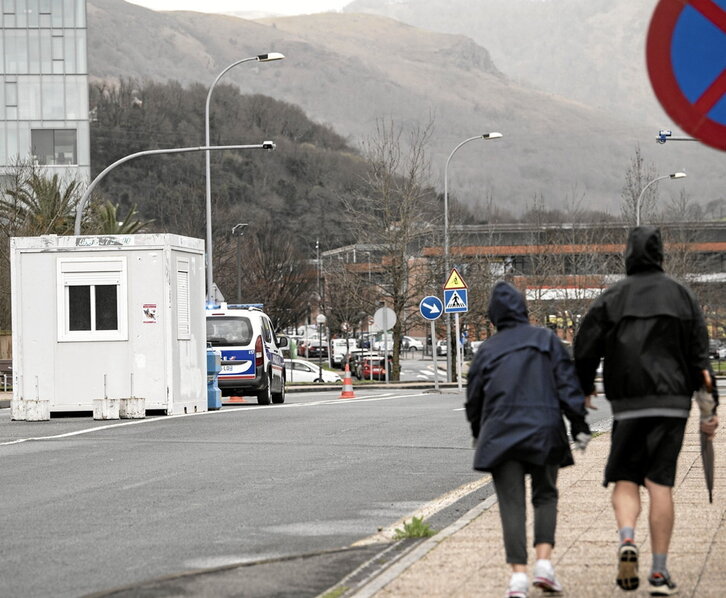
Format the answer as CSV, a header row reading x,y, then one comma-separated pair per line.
x,y
637,176
348,296
276,274
394,212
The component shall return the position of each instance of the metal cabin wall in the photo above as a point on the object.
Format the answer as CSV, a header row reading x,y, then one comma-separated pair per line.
x,y
189,356
170,374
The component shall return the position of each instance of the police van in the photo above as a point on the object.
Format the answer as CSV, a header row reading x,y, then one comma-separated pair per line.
x,y
252,361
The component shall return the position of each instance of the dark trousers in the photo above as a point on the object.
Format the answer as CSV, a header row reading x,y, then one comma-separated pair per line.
x,y
509,484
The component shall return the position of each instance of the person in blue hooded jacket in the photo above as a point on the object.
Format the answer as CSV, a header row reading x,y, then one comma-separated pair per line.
x,y
521,382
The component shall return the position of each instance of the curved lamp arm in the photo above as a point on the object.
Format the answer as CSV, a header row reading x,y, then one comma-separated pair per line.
x,y
675,175
266,145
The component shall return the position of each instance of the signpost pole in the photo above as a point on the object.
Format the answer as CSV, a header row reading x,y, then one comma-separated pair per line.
x,y
385,344
431,308
433,351
459,365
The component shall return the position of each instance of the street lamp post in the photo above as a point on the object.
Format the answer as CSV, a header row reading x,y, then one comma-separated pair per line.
x,y
238,230
210,268
493,135
675,175
320,319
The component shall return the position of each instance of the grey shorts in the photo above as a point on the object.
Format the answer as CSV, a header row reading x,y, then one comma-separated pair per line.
x,y
646,447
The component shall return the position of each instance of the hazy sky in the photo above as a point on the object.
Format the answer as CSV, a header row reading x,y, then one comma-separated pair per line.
x,y
286,7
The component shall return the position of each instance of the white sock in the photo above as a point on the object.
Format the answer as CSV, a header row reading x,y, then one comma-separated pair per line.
x,y
546,563
519,580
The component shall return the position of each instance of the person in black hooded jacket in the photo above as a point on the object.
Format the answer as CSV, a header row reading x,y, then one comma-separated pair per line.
x,y
652,335
520,383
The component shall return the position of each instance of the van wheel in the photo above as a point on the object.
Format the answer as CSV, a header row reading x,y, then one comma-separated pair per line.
x,y
279,397
264,395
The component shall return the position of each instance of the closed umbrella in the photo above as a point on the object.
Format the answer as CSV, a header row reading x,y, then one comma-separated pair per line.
x,y
705,405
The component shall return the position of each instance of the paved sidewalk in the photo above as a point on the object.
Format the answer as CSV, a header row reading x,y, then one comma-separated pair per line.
x,y
467,560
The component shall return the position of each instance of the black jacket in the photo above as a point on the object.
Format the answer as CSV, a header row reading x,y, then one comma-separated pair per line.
x,y
651,333
520,382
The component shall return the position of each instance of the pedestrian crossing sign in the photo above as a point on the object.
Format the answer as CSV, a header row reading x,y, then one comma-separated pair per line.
x,y
456,300
455,281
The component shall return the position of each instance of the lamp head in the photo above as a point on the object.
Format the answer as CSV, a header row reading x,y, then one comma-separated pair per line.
x,y
269,57
239,229
678,175
268,145
492,135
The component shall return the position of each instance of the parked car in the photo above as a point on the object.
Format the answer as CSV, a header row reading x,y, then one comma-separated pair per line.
x,y
252,362
716,349
301,370
339,348
412,344
441,347
356,356
314,348
364,341
475,347
372,368
382,342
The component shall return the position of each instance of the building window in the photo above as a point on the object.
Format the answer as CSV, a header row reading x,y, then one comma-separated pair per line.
x,y
54,147
11,99
92,299
52,91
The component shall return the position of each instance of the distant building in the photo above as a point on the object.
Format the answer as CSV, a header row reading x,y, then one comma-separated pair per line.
x,y
44,87
560,267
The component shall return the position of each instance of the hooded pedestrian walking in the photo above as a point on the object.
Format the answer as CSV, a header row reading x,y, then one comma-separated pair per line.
x,y
520,384
652,337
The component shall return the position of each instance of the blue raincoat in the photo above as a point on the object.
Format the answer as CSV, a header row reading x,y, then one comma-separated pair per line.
x,y
521,383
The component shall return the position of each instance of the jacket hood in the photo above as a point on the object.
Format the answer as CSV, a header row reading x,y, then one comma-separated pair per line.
x,y
644,251
507,306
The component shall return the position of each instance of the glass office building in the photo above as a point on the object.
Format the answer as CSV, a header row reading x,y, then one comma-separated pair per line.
x,y
44,86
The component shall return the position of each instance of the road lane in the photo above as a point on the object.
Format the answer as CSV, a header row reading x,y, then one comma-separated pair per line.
x,y
101,504
125,503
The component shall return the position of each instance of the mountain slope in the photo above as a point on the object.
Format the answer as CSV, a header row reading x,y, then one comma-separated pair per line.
x,y
348,70
592,51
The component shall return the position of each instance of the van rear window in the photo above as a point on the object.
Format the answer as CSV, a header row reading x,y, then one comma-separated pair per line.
x,y
225,331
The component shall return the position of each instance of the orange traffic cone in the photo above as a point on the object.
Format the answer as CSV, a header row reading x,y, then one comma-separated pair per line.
x,y
347,385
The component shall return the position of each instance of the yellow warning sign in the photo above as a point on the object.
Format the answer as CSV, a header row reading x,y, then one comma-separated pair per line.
x,y
455,281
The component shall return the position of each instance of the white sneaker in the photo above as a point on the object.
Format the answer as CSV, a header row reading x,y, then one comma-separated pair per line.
x,y
518,586
544,577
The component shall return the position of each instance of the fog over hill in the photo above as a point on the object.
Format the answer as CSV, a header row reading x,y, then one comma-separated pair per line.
x,y
350,69
591,51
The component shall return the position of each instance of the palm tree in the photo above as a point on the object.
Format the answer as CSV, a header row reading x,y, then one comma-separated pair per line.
x,y
105,220
40,206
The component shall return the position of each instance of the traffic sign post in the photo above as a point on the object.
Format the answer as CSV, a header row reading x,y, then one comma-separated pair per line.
x,y
431,309
385,319
686,58
456,301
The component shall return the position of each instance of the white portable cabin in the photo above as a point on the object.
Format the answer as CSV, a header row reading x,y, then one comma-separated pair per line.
x,y
108,317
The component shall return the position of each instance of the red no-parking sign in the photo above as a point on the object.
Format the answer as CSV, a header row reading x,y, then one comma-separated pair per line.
x,y
686,56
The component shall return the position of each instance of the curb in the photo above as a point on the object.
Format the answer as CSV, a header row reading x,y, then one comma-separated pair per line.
x,y
382,576
379,579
